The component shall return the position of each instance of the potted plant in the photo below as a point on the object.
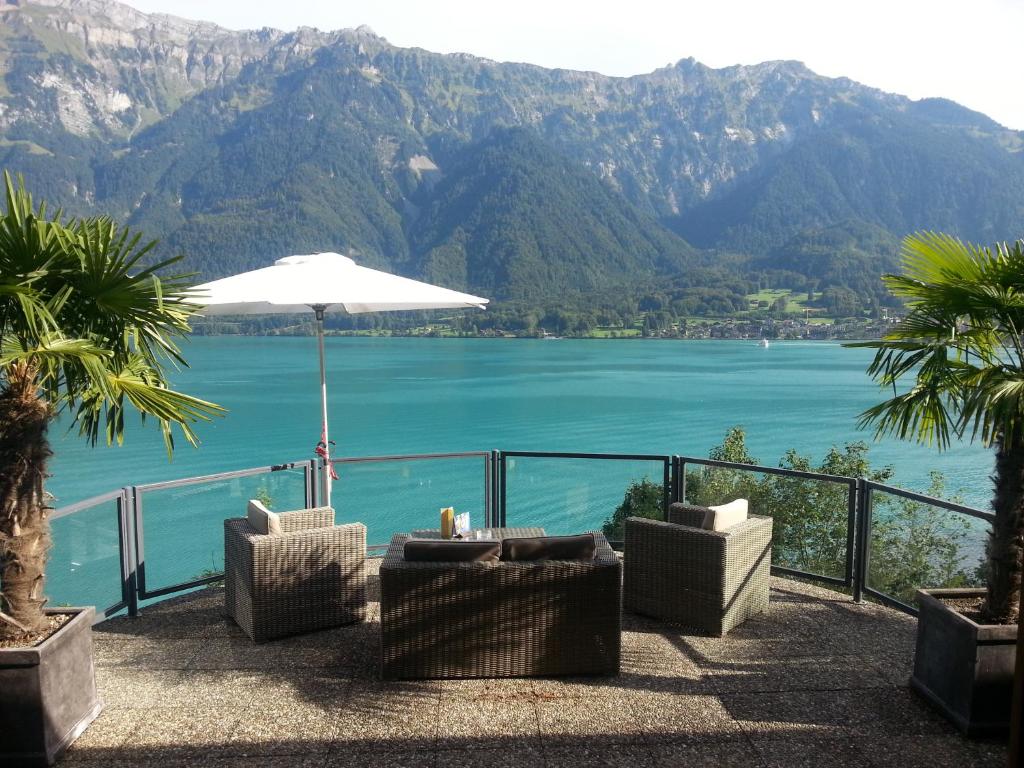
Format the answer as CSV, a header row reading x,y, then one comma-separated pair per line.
x,y
84,330
961,344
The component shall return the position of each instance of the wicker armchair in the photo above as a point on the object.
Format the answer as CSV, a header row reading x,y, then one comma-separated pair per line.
x,y
311,576
708,580
503,619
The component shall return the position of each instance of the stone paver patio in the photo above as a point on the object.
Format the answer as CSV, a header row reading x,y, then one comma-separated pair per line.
x,y
818,681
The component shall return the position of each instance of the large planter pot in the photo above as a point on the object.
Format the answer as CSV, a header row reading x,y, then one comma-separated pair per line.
x,y
965,669
48,693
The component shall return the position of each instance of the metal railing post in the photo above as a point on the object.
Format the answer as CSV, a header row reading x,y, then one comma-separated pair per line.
x,y
681,483
666,487
137,539
851,530
502,511
309,478
129,565
488,488
863,543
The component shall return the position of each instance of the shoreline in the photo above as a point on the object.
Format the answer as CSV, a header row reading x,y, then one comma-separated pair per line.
x,y
512,337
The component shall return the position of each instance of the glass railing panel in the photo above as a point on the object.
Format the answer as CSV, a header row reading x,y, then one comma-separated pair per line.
x,y
399,495
811,517
571,495
183,525
85,560
917,545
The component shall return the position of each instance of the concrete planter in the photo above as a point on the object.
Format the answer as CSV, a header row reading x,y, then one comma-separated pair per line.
x,y
47,693
963,668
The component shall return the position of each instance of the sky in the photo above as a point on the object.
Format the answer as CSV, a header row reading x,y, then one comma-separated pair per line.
x,y
964,50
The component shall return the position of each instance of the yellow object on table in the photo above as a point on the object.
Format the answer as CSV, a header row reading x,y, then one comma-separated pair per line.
x,y
447,522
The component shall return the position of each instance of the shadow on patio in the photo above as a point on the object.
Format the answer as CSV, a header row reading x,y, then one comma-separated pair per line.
x,y
816,681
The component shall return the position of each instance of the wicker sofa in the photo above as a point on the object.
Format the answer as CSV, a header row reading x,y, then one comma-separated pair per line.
x,y
708,580
500,619
310,576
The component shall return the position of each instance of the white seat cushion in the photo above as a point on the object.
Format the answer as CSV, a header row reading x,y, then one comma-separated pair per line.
x,y
262,519
724,516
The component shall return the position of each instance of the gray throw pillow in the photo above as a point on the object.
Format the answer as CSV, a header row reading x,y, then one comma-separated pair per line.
x,y
580,547
433,551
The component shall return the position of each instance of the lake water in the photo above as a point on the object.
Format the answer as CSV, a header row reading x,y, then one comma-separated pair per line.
x,y
406,396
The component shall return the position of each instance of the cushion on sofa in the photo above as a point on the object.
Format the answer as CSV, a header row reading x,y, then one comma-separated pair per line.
x,y
580,547
687,514
724,516
433,551
262,519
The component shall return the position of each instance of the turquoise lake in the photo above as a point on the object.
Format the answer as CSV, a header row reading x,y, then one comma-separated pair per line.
x,y
409,396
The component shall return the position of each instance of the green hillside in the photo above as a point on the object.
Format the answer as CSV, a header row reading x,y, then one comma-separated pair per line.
x,y
525,183
516,220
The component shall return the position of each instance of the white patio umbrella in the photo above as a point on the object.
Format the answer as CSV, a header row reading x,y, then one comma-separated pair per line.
x,y
321,282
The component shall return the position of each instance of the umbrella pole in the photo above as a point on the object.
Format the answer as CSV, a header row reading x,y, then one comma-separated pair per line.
x,y
325,474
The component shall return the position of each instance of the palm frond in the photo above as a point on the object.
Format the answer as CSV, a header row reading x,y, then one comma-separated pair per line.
x,y
960,344
95,316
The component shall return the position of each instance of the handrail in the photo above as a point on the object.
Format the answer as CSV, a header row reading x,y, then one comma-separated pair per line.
x,y
858,527
247,472
409,457
803,474
572,455
953,506
78,506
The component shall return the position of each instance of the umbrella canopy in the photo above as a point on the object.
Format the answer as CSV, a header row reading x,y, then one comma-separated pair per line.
x,y
297,283
321,282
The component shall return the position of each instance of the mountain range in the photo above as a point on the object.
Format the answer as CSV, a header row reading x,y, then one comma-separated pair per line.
x,y
515,181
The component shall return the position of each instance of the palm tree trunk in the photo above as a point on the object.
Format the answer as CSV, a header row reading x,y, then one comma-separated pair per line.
x,y
1006,543
24,527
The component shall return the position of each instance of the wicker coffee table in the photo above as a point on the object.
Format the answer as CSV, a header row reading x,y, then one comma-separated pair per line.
x,y
491,533
505,619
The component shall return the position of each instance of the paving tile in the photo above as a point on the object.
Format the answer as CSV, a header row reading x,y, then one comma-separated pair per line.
x,y
811,753
153,623
496,689
584,686
944,751
589,755
136,688
668,717
178,732
732,754
599,720
248,761
400,715
215,687
145,653
291,729
709,651
800,674
465,723
789,714
109,731
831,714
239,653
298,688
382,756
899,711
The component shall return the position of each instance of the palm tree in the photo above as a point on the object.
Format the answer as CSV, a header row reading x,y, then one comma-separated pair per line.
x,y
961,345
87,330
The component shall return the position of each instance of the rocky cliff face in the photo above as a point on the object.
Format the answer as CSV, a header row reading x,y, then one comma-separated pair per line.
x,y
101,68
198,133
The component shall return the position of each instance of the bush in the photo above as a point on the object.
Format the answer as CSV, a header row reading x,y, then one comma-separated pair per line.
x,y
912,544
643,498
